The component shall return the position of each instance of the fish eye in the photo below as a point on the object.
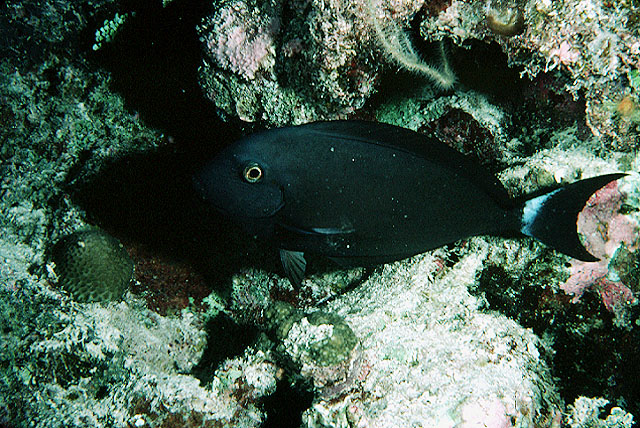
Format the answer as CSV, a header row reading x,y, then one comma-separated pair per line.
x,y
252,173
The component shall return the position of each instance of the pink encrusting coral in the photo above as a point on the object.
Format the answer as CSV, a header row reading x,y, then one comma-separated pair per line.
x,y
605,231
241,37
602,225
293,62
489,412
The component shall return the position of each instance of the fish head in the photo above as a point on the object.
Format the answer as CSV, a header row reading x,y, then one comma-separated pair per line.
x,y
240,182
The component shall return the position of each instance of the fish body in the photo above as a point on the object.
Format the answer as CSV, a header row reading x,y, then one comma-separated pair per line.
x,y
364,193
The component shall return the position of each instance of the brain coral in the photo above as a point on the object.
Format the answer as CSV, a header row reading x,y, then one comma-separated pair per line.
x,y
92,265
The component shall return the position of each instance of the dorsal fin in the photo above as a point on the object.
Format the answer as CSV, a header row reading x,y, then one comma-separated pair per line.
x,y
429,148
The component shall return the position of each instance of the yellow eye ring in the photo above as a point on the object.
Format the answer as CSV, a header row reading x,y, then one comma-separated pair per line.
x,y
252,173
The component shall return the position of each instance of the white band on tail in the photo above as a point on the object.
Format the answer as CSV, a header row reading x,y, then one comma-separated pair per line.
x,y
531,209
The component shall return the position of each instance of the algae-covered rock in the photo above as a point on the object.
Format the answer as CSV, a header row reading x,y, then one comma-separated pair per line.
x,y
320,349
334,347
320,338
324,352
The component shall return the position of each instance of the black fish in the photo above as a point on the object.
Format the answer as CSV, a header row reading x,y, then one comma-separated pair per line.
x,y
365,193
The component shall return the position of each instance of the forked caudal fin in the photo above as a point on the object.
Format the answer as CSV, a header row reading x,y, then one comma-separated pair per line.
x,y
552,218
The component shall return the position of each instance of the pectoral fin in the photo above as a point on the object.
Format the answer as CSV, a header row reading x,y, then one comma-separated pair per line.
x,y
294,265
314,231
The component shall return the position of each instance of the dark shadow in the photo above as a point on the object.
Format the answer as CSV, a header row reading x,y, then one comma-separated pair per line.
x,y
149,199
485,68
230,340
602,361
285,406
153,63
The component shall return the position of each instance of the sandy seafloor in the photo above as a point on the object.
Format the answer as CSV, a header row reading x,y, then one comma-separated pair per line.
x,y
107,108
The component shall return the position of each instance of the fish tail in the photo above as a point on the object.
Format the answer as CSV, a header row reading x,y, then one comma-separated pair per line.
x,y
552,217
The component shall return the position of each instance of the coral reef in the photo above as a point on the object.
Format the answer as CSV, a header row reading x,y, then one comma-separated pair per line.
x,y
320,348
318,67
322,54
600,62
240,36
585,412
65,364
108,31
405,344
505,18
396,43
402,313
254,290
168,286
